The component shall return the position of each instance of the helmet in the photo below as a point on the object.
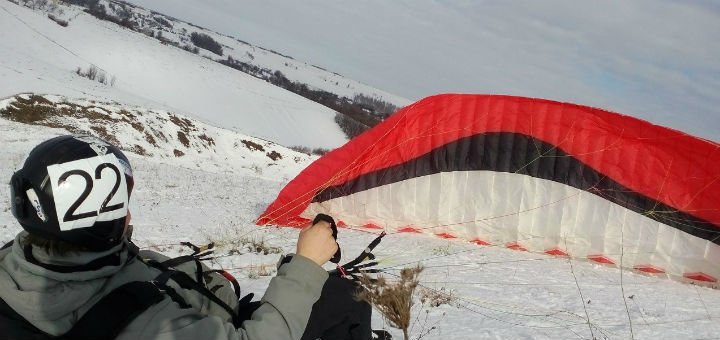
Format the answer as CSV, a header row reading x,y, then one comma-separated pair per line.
x,y
73,189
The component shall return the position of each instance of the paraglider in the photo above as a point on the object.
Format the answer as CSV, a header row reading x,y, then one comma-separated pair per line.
x,y
527,174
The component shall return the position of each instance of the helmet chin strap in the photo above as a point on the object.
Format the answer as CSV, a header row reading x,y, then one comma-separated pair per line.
x,y
127,233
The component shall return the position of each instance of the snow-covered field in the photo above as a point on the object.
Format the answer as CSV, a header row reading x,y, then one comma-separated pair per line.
x,y
215,192
495,292
656,60
37,55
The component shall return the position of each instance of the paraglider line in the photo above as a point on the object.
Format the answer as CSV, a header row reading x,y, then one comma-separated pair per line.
x,y
622,286
582,298
550,315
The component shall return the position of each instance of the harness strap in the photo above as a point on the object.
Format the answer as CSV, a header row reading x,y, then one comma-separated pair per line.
x,y
356,266
229,277
107,318
161,281
14,326
174,262
200,253
186,282
200,249
367,253
7,245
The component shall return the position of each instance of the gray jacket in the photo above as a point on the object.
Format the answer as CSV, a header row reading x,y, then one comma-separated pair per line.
x,y
54,301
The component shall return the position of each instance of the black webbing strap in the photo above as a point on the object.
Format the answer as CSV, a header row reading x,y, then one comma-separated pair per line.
x,y
201,249
186,282
14,326
161,281
229,277
200,253
7,245
356,266
367,253
174,262
107,318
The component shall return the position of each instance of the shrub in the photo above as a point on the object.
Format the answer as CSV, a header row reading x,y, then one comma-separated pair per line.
x,y
392,299
191,49
90,73
353,117
252,146
60,22
308,151
163,22
205,41
302,149
350,126
94,73
375,106
274,155
320,151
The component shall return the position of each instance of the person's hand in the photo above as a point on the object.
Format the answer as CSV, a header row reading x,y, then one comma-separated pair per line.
x,y
317,243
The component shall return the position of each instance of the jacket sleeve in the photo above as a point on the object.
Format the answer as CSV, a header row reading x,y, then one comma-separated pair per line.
x,y
283,315
288,301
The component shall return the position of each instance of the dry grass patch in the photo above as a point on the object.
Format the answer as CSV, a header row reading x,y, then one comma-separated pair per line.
x,y
252,146
183,123
434,297
139,150
207,139
182,137
257,271
392,299
103,122
274,155
29,111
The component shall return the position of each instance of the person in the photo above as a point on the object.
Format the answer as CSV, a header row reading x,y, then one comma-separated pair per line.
x,y
74,259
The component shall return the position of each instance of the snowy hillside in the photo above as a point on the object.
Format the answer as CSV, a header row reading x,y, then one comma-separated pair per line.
x,y
198,135
38,55
482,292
655,60
174,31
159,135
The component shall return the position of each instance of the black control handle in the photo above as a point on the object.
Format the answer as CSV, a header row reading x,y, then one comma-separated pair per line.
x,y
329,219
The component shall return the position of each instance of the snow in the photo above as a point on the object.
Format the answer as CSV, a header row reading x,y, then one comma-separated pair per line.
x,y
496,292
37,55
214,193
656,60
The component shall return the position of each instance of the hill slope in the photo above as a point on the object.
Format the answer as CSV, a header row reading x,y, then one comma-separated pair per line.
x,y
467,291
38,55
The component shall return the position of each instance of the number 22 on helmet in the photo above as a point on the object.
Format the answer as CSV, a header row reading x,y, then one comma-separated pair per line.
x,y
74,189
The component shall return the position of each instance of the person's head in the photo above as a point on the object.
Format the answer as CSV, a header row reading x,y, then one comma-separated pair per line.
x,y
73,191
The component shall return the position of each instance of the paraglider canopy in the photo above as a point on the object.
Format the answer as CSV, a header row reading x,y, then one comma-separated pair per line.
x,y
528,174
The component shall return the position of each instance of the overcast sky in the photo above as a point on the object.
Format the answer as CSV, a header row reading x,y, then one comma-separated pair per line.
x,y
658,60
